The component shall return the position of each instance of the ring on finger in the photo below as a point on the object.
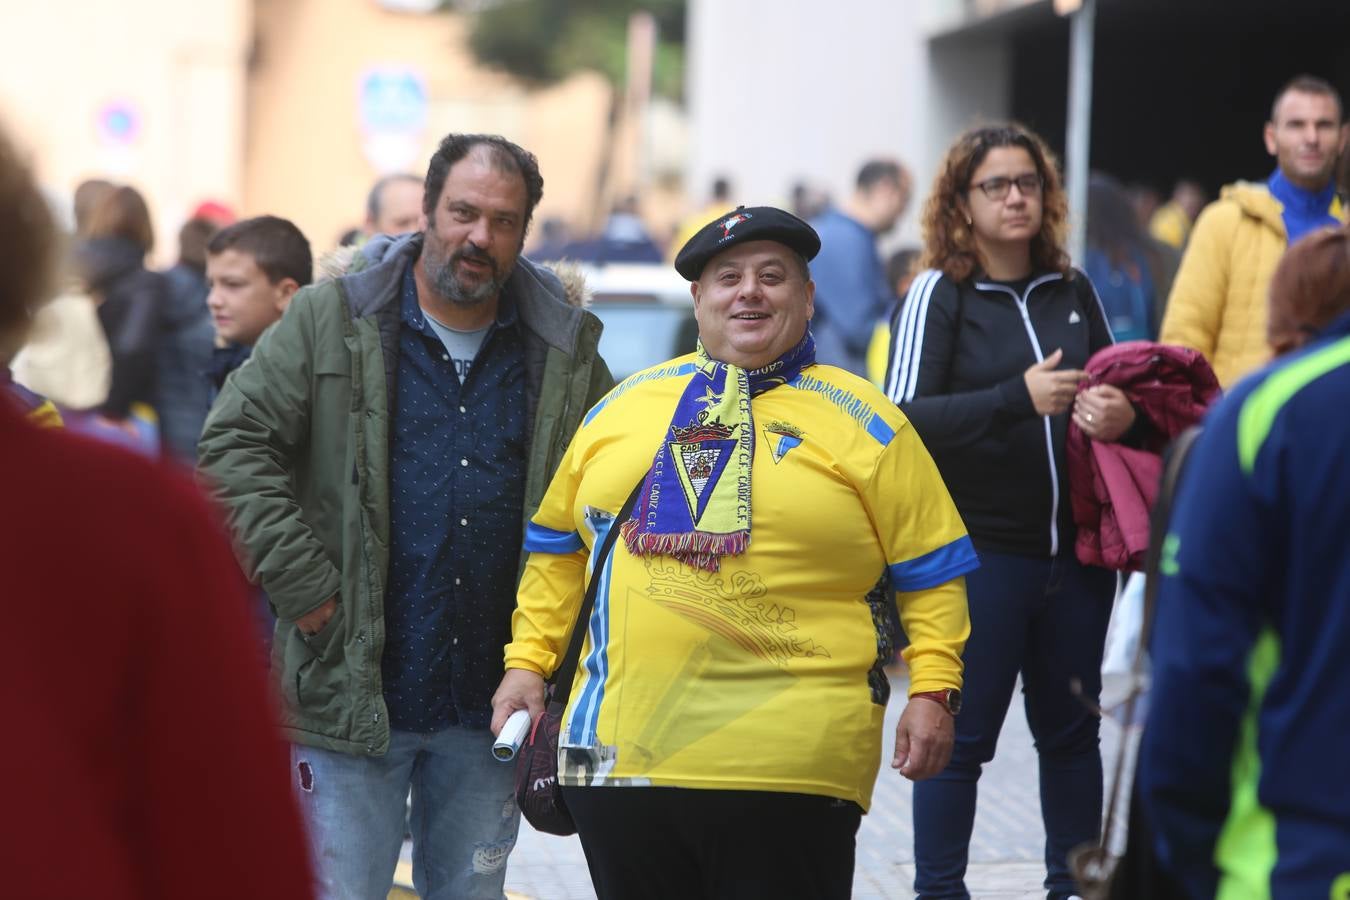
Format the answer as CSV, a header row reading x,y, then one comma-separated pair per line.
x,y
1088,416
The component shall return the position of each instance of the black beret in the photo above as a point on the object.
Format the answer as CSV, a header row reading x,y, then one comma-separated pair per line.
x,y
754,223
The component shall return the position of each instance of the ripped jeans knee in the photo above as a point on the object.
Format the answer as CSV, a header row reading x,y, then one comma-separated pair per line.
x,y
488,859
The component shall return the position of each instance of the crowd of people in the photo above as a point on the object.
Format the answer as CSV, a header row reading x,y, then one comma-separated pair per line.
x,y
418,455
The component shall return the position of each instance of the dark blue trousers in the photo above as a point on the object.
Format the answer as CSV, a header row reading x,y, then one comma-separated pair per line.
x,y
1045,619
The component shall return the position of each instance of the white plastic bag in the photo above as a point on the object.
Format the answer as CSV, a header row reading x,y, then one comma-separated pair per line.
x,y
1122,643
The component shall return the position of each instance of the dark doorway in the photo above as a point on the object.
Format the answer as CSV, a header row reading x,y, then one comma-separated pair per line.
x,y
1181,87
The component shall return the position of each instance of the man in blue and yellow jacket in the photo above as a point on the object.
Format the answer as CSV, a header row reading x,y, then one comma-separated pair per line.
x,y
1242,765
1218,300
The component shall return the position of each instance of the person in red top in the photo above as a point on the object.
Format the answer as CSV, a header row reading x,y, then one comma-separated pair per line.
x,y
140,755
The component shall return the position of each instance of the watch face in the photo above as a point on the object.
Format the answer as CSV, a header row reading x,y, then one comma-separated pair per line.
x,y
954,701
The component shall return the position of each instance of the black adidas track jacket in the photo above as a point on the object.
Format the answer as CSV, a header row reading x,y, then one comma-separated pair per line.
x,y
957,357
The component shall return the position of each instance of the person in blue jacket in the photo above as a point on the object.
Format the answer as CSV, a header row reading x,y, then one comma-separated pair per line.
x,y
852,294
1242,767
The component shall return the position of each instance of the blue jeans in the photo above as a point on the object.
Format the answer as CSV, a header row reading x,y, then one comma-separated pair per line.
x,y
1044,618
464,815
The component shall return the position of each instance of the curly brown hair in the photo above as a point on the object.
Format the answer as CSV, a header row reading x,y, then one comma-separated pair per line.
x,y
28,248
949,243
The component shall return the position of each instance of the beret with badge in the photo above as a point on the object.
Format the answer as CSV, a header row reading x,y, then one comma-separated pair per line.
x,y
754,223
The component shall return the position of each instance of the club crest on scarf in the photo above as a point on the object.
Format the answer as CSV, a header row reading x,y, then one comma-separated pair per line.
x,y
695,501
701,454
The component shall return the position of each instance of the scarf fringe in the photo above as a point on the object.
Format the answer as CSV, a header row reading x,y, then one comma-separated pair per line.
x,y
695,548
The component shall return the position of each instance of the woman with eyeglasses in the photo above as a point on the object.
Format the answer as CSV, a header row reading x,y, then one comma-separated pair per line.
x,y
986,357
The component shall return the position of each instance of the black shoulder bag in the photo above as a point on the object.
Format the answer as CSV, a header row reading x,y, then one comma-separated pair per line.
x,y
538,793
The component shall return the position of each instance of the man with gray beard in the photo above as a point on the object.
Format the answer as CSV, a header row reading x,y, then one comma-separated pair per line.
x,y
379,455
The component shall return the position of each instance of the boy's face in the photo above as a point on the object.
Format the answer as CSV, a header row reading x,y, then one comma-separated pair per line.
x,y
243,302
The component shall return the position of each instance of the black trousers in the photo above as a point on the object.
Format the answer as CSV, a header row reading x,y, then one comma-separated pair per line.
x,y
650,843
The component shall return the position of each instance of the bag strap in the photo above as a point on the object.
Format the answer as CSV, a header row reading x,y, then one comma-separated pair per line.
x,y
1159,517
567,669
956,334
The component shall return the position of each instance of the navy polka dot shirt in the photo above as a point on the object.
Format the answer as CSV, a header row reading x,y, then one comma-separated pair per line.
x,y
457,490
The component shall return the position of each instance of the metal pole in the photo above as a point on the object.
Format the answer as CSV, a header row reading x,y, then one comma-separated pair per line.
x,y
1078,138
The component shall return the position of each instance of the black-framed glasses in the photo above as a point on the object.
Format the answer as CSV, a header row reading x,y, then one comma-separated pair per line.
x,y
997,188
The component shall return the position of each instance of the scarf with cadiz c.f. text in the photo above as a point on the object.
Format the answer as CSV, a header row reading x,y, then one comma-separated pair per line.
x,y
694,504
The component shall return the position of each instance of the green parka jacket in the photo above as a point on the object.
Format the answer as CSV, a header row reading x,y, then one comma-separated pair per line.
x,y
297,450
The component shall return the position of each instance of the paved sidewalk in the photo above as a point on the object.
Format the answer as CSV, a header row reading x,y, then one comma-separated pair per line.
x,y
1006,850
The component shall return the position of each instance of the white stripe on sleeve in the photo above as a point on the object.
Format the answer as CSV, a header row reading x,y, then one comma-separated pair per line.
x,y
909,337
900,340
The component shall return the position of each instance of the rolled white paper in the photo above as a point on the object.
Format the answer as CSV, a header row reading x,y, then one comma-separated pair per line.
x,y
511,735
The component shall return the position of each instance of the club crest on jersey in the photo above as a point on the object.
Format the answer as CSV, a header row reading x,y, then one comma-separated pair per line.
x,y
731,222
780,437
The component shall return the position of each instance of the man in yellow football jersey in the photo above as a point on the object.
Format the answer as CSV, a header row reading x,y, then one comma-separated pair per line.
x,y
724,728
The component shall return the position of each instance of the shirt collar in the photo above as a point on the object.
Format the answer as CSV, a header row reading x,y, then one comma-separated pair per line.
x,y
412,315
1301,200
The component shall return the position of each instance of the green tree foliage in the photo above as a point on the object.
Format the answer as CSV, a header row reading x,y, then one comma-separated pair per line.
x,y
547,40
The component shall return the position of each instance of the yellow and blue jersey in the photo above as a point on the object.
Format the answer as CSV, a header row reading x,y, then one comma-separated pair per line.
x,y
758,676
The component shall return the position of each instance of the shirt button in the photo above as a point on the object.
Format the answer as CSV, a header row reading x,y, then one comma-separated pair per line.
x,y
463,462
464,521
457,581
454,642
445,356
462,409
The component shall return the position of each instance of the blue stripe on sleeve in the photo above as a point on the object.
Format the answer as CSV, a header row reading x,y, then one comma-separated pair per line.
x,y
878,429
935,568
539,539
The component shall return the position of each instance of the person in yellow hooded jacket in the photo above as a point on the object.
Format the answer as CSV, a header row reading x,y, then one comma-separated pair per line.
x,y
1218,301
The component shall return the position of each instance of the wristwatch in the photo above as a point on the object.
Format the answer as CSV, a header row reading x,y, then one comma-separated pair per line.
x,y
949,699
